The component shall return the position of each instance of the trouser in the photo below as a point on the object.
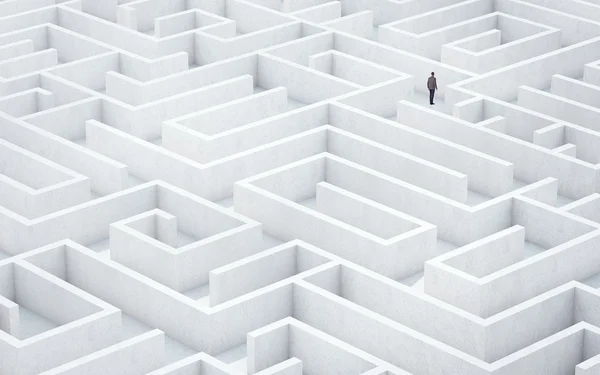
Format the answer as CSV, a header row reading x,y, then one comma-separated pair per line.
x,y
431,93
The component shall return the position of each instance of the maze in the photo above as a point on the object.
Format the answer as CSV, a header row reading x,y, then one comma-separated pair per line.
x,y
228,187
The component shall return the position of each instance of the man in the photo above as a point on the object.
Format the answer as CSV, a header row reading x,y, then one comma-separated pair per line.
x,y
432,86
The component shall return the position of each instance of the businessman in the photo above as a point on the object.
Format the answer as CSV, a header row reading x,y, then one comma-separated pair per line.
x,y
432,86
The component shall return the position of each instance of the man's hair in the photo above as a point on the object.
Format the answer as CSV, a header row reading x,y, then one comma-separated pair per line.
x,y
432,73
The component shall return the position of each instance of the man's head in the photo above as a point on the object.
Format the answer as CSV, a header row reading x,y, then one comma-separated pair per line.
x,y
432,74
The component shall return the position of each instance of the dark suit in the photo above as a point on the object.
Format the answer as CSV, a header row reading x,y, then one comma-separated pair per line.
x,y
432,86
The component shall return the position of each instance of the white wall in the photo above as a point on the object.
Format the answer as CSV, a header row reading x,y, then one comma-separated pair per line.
x,y
106,175
210,332
574,29
526,168
210,148
225,117
482,178
145,121
504,83
303,84
401,61
503,55
397,164
490,254
260,270
359,71
320,13
209,48
120,359
359,24
426,34
561,108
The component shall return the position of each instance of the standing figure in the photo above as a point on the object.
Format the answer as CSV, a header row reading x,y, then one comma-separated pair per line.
x,y
432,86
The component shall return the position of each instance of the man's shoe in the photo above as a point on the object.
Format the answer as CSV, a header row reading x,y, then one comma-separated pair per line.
x,y
431,103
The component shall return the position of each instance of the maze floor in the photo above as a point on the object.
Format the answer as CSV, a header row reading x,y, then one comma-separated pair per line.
x,y
235,187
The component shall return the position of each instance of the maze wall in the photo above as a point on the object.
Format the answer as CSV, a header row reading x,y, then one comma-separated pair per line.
x,y
225,187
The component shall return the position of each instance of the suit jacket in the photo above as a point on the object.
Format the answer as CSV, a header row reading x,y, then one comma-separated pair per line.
x,y
432,83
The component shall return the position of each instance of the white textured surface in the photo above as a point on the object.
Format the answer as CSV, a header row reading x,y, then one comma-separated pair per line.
x,y
225,187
